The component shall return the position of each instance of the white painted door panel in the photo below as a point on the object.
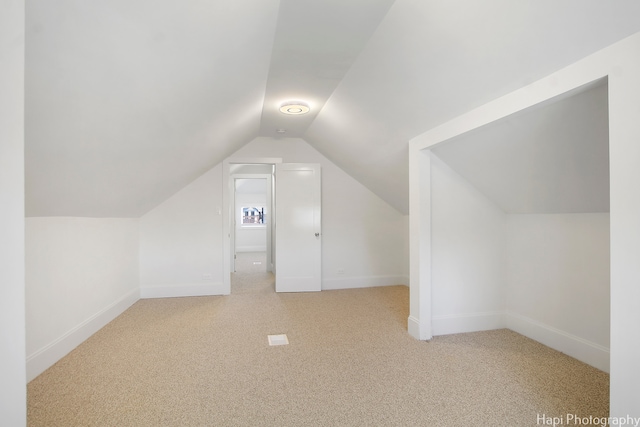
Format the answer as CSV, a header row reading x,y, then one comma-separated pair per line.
x,y
299,238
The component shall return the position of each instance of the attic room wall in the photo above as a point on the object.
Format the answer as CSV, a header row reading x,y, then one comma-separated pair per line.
x,y
180,240
81,273
544,276
558,282
468,255
361,234
13,392
620,63
543,163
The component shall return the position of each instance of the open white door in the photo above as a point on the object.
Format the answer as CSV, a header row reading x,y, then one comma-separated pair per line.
x,y
234,219
299,238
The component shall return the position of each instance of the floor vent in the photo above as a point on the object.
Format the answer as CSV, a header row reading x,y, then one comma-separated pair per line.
x,y
278,339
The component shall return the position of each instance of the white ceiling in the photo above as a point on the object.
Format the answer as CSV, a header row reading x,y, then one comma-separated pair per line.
x,y
549,159
127,101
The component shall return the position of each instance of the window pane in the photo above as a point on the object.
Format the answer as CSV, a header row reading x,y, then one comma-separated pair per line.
x,y
253,215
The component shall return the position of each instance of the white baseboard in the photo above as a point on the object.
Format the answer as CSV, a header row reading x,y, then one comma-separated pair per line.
x,y
586,351
414,329
251,248
182,290
363,282
42,359
471,322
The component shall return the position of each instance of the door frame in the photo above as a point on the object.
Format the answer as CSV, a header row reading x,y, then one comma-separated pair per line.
x,y
228,208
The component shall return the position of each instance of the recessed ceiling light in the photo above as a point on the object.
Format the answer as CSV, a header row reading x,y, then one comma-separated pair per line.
x,y
294,107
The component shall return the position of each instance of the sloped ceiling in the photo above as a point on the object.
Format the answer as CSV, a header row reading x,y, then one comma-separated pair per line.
x,y
548,159
127,101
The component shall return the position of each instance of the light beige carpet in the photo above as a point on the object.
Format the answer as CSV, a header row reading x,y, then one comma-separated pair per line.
x,y
205,361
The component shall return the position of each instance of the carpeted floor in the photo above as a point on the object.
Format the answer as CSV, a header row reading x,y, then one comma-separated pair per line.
x,y
205,361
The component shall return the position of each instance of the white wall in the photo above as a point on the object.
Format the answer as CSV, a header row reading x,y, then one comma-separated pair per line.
x,y
81,273
467,255
13,393
545,276
181,241
558,282
250,239
364,239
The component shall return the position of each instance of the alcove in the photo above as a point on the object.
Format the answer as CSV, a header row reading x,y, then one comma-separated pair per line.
x,y
520,226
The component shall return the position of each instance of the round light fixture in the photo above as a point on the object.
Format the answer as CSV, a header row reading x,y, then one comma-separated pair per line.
x,y
294,108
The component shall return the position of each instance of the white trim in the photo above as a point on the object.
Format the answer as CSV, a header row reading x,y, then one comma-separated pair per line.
x,y
413,327
182,290
586,351
468,322
42,359
420,242
363,282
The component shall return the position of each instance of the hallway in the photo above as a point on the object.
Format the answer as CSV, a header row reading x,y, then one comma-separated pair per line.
x,y
251,275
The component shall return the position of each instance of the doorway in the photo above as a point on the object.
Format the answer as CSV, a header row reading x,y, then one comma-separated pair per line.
x,y
252,175
299,247
252,207
251,225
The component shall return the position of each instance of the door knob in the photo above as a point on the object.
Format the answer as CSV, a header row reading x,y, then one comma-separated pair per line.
x,y
317,234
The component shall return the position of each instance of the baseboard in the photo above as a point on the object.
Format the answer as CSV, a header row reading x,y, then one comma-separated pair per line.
x,y
586,351
363,282
471,322
251,248
414,329
182,290
44,358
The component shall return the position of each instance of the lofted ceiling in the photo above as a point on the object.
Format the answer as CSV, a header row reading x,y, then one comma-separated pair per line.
x,y
549,159
127,101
